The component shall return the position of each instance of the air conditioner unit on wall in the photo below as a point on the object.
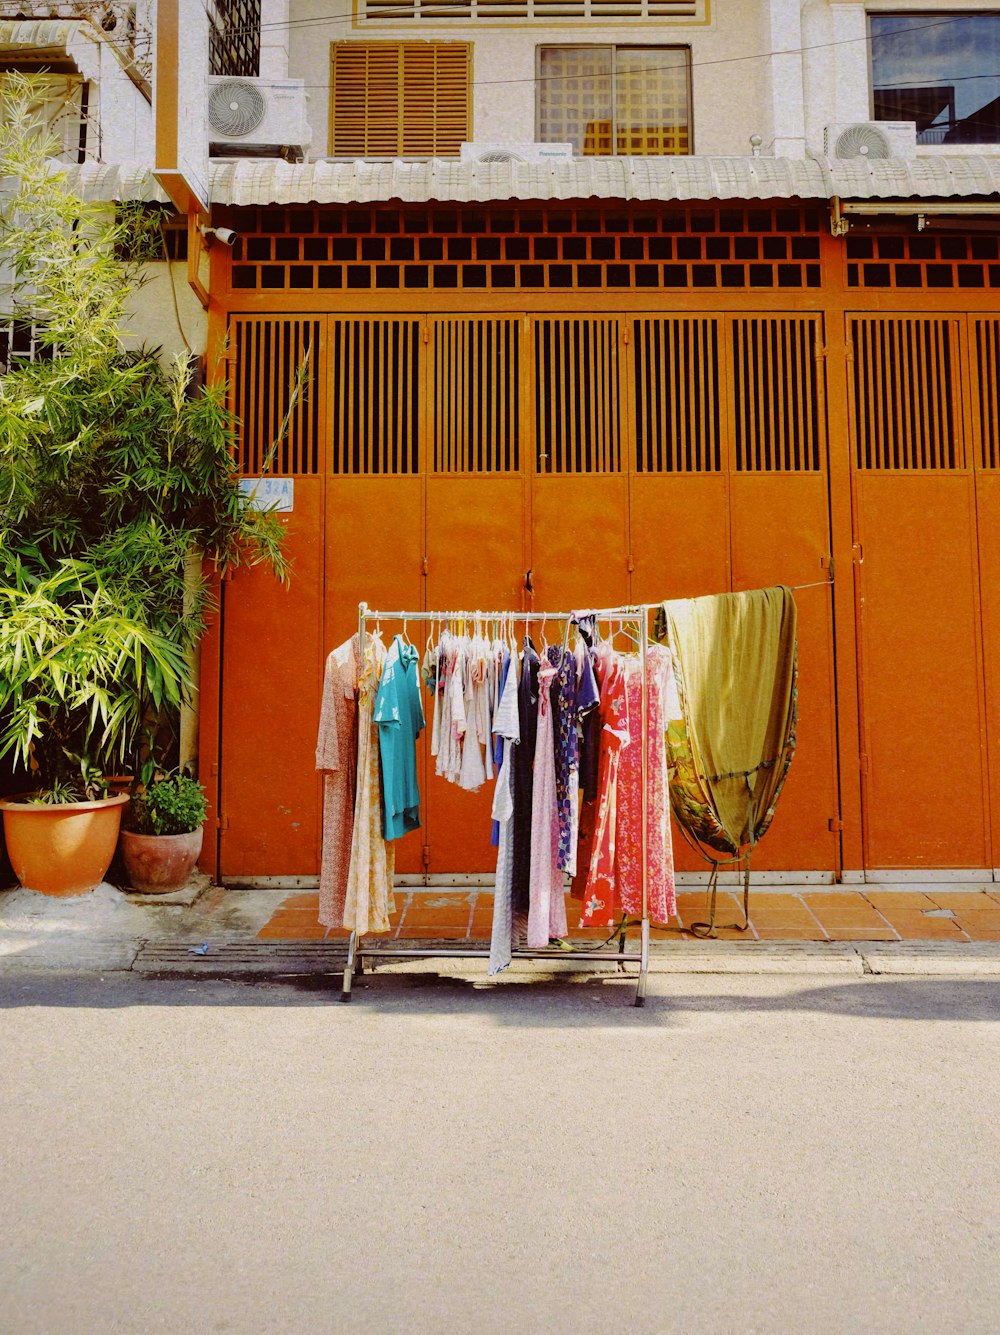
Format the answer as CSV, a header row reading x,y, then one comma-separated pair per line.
x,y
513,152
871,139
257,117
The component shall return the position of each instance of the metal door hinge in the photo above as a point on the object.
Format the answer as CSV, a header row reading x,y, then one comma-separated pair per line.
x,y
425,565
835,824
826,563
426,856
631,563
222,823
863,761
849,350
859,553
820,352
626,335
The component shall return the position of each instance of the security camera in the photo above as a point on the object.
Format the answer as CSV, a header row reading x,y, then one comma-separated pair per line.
x,y
224,234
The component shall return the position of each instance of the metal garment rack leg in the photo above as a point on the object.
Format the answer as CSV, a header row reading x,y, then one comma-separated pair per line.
x,y
356,950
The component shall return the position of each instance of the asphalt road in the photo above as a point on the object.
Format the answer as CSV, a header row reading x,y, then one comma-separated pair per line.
x,y
745,1154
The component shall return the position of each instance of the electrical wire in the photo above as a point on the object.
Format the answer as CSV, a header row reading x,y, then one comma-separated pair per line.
x,y
324,19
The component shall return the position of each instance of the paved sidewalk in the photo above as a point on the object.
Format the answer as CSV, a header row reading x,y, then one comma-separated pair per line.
x,y
211,931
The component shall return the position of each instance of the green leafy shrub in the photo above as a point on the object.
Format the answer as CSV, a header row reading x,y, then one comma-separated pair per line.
x,y
118,491
173,804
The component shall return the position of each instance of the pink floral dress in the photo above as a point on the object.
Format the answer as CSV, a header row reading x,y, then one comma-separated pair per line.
x,y
662,902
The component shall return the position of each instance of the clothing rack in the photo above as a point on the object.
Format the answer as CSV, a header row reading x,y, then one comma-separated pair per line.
x,y
637,614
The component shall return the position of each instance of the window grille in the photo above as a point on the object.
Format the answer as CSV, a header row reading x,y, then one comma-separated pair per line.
x,y
234,38
776,393
608,100
275,437
19,342
373,401
577,405
677,395
987,348
476,382
400,99
905,393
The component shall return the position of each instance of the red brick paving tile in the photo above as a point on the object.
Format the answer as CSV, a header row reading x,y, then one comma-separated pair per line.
x,y
974,926
786,933
862,915
918,927
767,900
835,901
309,900
286,928
431,932
861,934
899,899
959,901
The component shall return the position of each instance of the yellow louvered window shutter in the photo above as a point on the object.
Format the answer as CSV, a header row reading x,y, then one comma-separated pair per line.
x,y
399,99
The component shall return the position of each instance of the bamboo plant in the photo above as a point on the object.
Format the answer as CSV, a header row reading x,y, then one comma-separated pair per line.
x,y
111,472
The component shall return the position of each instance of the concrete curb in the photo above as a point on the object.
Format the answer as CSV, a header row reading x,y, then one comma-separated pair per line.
x,y
23,953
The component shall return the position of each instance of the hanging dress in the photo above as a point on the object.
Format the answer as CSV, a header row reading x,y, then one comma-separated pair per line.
x,y
596,882
508,730
369,898
659,845
337,758
547,904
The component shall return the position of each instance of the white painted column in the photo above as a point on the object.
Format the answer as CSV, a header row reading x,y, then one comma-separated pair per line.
x,y
274,39
788,132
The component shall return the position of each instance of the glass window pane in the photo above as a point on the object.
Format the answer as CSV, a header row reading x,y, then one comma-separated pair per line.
x,y
942,71
575,98
651,100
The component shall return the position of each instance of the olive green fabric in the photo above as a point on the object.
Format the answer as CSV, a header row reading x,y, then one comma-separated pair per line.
x,y
735,662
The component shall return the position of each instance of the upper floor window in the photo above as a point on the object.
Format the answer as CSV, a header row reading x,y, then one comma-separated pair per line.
x,y
941,70
608,100
400,99
234,38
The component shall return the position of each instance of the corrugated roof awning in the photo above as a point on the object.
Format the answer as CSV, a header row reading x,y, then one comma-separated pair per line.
x,y
54,44
250,182
269,181
113,183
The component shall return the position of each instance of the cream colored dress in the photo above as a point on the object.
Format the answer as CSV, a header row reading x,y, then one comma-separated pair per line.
x,y
337,757
369,898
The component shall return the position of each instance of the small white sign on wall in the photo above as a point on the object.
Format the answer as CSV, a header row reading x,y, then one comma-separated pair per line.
x,y
270,493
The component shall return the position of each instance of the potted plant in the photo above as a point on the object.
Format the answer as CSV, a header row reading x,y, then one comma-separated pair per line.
x,y
161,842
114,473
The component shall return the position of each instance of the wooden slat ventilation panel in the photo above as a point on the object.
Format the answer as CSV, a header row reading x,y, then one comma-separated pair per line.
x,y
577,413
399,99
905,393
677,395
274,435
776,394
374,389
475,408
987,347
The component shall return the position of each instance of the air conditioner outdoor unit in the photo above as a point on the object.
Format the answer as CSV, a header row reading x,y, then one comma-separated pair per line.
x,y
258,117
871,139
514,152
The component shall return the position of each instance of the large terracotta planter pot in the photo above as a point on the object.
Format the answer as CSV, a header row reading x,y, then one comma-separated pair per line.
x,y
65,849
158,864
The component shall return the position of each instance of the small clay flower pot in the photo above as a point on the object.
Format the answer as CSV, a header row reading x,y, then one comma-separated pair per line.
x,y
159,864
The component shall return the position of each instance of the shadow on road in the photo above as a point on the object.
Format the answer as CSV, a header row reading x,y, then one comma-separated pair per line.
x,y
572,1000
